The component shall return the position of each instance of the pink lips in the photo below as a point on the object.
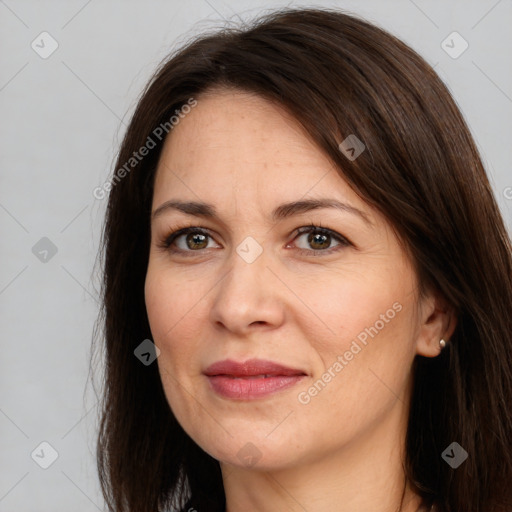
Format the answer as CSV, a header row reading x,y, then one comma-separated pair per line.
x,y
251,379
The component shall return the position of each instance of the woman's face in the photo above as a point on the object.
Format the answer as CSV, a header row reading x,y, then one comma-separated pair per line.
x,y
338,308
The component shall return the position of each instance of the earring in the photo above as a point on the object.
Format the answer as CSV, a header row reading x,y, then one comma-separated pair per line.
x,y
442,343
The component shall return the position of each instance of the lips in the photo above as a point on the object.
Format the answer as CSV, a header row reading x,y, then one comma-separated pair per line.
x,y
255,378
250,368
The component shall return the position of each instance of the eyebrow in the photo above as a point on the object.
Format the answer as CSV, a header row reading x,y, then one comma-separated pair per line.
x,y
283,211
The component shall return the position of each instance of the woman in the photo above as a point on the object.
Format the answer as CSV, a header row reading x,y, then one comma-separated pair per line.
x,y
300,222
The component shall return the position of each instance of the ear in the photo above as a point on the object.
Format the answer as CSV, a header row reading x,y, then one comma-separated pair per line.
x,y
437,320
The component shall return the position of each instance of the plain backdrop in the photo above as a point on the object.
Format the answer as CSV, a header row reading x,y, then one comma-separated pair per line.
x,y
62,117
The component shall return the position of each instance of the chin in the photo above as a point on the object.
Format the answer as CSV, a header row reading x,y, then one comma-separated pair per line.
x,y
249,449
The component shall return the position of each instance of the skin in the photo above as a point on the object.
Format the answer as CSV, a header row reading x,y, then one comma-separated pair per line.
x,y
343,450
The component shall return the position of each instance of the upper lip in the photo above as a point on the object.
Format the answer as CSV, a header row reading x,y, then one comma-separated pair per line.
x,y
251,367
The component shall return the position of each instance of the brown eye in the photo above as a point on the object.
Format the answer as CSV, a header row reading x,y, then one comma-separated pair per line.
x,y
196,241
187,240
320,239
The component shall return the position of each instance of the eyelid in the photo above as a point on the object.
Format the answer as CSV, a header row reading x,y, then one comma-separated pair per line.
x,y
342,240
175,233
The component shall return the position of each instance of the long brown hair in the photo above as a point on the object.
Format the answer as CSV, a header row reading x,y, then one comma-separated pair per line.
x,y
337,75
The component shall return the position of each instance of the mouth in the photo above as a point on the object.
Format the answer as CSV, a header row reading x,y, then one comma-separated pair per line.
x,y
252,379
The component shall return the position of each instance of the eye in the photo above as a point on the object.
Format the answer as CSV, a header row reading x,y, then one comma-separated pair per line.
x,y
320,239
187,240
194,239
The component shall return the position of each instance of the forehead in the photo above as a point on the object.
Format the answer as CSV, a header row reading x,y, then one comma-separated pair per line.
x,y
233,124
237,146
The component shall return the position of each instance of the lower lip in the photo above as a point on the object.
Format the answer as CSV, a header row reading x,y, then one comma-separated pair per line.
x,y
247,388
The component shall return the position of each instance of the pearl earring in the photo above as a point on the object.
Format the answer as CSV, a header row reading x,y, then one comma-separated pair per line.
x,y
442,343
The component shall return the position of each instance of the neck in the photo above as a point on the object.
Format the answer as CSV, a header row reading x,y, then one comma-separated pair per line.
x,y
367,475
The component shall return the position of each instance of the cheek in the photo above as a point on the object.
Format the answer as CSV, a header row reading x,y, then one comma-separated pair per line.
x,y
367,349
348,304
357,383
171,319
169,301
177,309
175,332
159,306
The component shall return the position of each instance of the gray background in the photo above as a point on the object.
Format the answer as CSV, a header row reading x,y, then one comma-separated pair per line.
x,y
62,120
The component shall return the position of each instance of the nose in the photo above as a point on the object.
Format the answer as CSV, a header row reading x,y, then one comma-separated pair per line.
x,y
248,297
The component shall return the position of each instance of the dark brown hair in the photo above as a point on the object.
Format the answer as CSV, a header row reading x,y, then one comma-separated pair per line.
x,y
337,75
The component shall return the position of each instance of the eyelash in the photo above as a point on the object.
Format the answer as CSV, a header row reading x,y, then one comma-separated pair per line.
x,y
168,240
